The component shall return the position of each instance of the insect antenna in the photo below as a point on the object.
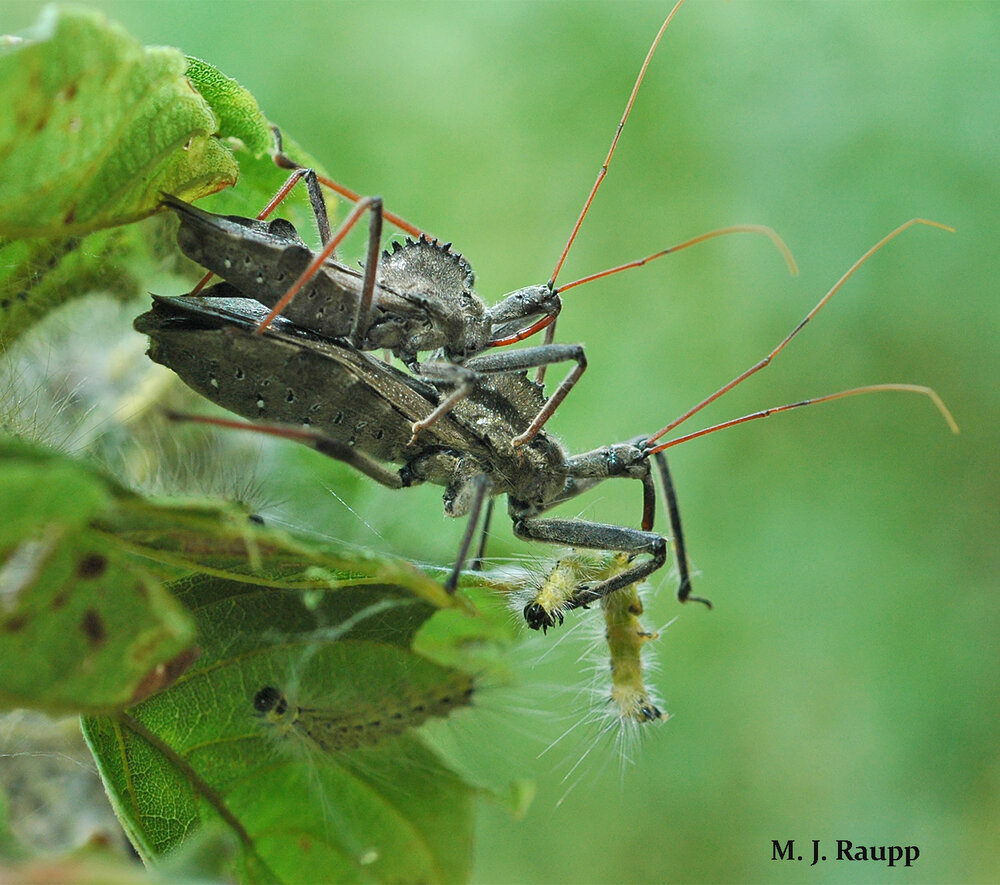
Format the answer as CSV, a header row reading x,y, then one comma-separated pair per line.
x,y
614,144
854,391
550,332
766,361
770,233
549,322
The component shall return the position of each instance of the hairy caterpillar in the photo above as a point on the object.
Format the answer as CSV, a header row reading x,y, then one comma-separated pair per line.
x,y
338,730
549,603
624,633
626,638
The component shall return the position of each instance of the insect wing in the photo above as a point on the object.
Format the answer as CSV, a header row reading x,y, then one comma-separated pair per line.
x,y
292,376
262,259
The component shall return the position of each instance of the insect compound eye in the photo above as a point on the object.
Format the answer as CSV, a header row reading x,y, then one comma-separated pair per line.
x,y
269,699
622,458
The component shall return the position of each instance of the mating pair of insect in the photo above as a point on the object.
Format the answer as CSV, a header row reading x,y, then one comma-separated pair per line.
x,y
468,418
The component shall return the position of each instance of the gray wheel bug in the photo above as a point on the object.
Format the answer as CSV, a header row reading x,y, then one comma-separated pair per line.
x,y
358,409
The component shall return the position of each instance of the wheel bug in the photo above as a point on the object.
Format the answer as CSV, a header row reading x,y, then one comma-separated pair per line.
x,y
419,297
358,409
259,257
413,304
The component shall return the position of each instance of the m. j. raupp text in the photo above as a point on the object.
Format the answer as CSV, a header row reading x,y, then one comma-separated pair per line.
x,y
847,850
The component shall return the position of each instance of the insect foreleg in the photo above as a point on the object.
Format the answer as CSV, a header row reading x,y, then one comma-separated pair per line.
x,y
630,459
676,532
597,536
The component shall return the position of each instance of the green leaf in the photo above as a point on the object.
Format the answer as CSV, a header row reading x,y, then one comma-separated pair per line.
x,y
85,622
88,629
41,488
82,625
337,785
238,112
93,126
340,788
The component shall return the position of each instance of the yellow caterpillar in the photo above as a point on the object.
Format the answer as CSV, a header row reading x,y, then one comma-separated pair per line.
x,y
625,635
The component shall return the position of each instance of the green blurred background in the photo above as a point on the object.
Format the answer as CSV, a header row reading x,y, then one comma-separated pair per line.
x,y
846,684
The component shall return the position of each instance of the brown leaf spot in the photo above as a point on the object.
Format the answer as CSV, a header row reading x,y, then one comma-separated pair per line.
x,y
93,565
163,675
12,625
93,627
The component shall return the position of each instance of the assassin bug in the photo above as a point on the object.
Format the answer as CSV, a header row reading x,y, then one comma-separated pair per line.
x,y
355,408
358,409
418,297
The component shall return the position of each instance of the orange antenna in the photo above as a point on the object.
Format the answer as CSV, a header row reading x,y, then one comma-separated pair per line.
x,y
545,321
774,410
701,238
614,144
550,332
756,367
